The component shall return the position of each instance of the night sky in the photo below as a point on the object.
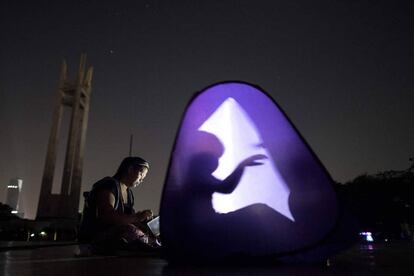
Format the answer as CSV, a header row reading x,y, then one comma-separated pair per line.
x,y
342,71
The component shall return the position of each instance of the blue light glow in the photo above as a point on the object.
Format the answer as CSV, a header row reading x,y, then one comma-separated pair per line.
x,y
367,235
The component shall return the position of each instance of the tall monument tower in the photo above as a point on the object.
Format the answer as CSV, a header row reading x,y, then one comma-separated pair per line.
x,y
75,95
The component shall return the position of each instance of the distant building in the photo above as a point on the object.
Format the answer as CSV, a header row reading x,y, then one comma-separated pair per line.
x,y
13,194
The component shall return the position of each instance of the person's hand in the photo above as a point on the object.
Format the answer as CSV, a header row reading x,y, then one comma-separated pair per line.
x,y
253,160
145,215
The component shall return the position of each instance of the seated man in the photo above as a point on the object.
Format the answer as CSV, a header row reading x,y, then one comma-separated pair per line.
x,y
109,221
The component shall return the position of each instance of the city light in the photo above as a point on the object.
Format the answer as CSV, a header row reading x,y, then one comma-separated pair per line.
x,y
368,236
12,186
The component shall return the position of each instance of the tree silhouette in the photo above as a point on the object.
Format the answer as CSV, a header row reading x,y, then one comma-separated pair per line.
x,y
382,202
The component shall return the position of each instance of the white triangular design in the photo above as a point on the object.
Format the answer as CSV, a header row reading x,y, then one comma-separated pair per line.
x,y
240,138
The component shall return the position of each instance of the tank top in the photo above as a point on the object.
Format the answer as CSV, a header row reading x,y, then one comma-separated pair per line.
x,y
90,225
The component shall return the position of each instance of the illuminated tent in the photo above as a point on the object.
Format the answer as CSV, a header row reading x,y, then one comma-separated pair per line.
x,y
242,182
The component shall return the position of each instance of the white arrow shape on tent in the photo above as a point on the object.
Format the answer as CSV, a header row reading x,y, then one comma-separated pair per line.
x,y
259,184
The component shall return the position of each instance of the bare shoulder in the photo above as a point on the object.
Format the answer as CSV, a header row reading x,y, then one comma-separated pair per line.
x,y
104,198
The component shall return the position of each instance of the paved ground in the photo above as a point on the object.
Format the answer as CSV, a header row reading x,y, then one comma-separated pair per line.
x,y
12,245
375,259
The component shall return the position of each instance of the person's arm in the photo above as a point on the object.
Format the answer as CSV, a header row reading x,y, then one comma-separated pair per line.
x,y
230,183
105,210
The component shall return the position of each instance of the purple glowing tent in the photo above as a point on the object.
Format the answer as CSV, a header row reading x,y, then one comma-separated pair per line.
x,y
243,182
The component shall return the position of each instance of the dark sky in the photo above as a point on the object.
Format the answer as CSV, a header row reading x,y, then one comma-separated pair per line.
x,y
342,70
